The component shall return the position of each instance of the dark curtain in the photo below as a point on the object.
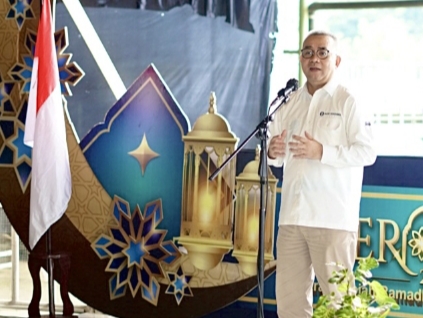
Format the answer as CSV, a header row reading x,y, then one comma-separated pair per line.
x,y
194,55
237,12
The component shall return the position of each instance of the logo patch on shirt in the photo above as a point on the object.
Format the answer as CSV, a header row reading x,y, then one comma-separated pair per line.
x,y
322,113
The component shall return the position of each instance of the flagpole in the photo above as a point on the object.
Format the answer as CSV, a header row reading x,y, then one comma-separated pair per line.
x,y
50,261
50,266
51,184
53,14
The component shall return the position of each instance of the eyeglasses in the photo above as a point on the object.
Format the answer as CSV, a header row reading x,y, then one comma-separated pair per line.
x,y
320,53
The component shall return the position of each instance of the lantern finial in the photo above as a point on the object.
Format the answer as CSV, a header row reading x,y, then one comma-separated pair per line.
x,y
258,149
212,103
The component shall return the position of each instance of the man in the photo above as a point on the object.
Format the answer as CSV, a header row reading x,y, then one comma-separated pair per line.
x,y
323,141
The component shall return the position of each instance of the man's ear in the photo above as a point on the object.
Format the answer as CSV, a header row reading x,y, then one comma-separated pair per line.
x,y
338,60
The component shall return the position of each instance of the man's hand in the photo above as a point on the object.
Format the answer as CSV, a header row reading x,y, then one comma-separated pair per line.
x,y
277,146
306,147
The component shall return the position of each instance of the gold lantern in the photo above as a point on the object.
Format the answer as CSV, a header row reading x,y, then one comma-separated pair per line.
x,y
207,206
247,214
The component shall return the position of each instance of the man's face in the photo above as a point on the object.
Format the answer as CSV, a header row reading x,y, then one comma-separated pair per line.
x,y
319,71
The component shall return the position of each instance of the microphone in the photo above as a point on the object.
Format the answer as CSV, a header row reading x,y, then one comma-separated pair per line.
x,y
291,86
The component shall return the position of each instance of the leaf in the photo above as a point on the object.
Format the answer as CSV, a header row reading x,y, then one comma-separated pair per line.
x,y
343,288
345,312
379,291
356,301
323,312
367,264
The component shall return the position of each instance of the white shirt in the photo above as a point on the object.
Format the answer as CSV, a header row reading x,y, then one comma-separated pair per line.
x,y
325,193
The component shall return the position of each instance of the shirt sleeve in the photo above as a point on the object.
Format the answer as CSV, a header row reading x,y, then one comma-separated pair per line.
x,y
360,149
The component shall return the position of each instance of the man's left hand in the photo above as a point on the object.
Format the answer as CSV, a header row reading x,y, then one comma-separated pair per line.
x,y
306,147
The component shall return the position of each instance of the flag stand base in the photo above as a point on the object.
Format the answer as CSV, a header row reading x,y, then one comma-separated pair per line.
x,y
35,262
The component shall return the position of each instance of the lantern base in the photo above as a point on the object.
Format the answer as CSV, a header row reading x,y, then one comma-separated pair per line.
x,y
248,261
205,253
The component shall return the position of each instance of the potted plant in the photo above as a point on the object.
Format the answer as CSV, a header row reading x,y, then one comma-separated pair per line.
x,y
360,297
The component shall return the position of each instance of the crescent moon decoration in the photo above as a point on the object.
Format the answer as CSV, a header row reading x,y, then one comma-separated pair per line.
x,y
124,259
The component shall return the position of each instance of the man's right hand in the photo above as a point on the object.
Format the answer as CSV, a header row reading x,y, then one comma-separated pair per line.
x,y
277,146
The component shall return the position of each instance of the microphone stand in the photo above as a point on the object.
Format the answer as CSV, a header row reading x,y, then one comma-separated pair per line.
x,y
261,132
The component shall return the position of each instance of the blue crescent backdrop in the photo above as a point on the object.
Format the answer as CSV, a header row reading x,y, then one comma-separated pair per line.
x,y
146,112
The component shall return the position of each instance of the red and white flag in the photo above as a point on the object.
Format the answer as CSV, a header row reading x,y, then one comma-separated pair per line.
x,y
45,132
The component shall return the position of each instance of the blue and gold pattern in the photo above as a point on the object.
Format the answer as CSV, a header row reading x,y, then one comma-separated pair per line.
x,y
69,73
21,72
13,152
136,249
179,285
20,10
6,101
22,154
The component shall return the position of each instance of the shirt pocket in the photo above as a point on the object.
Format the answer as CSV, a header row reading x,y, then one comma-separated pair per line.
x,y
330,122
331,131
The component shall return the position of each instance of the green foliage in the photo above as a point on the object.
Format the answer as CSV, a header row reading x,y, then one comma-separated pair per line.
x,y
359,296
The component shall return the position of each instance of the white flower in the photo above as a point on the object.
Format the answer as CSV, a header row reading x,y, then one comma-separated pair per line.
x,y
367,274
352,291
357,302
376,310
338,265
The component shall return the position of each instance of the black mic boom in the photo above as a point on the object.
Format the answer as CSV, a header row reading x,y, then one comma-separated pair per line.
x,y
291,86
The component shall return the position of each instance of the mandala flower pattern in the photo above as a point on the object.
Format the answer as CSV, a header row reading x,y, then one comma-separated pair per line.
x,y
179,285
21,72
69,73
20,10
6,101
136,249
416,243
13,151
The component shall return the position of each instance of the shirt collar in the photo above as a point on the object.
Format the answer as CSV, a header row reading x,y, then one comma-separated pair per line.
x,y
331,86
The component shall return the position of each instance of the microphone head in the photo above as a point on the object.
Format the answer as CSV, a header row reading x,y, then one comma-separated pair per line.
x,y
292,83
291,86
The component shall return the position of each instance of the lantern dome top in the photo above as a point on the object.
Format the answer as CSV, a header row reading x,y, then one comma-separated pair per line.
x,y
251,169
211,124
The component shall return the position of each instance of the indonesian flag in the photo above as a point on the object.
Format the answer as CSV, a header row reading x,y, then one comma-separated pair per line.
x,y
45,132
